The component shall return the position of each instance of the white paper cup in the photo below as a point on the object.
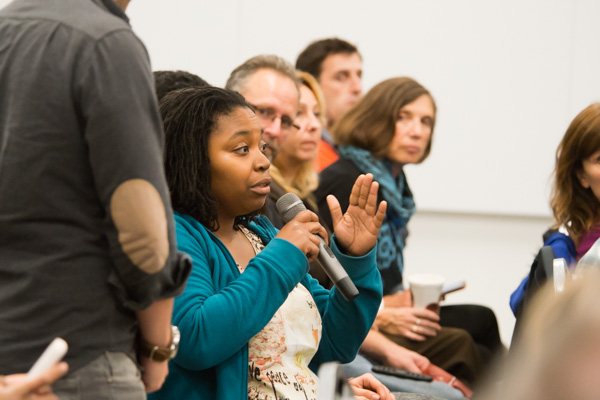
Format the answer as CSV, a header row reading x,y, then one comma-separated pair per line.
x,y
426,290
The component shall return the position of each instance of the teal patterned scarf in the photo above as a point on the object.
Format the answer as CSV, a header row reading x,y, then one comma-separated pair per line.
x,y
401,207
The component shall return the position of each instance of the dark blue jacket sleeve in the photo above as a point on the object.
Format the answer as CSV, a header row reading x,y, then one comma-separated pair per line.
x,y
563,247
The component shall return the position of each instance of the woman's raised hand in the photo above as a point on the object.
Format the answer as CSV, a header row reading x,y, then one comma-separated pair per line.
x,y
356,231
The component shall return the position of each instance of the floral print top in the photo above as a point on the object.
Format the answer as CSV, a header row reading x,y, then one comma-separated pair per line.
x,y
280,353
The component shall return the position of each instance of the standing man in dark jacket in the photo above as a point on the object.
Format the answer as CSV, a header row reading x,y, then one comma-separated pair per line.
x,y
87,248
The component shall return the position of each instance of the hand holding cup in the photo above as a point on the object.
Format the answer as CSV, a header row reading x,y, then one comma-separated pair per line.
x,y
426,290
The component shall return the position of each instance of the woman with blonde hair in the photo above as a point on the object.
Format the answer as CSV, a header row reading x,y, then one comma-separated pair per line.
x,y
292,170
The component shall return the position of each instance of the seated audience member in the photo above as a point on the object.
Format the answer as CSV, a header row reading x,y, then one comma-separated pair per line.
x,y
19,387
270,84
292,171
390,127
167,81
557,356
337,66
575,196
253,322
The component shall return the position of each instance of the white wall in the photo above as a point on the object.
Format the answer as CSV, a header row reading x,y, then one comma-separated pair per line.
x,y
508,76
491,253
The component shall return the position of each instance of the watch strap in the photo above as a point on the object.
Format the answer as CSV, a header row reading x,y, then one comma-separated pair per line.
x,y
160,353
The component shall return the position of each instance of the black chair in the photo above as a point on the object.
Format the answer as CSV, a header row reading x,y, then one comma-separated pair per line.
x,y
541,270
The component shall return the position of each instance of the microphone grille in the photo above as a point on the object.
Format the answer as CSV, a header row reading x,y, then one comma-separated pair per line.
x,y
288,206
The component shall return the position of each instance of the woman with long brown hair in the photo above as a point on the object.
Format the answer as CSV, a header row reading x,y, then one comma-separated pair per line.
x,y
392,126
293,171
576,191
575,195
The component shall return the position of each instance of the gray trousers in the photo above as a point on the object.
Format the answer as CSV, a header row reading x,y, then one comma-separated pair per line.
x,y
112,376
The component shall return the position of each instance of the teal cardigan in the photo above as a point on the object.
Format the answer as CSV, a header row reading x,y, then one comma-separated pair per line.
x,y
221,309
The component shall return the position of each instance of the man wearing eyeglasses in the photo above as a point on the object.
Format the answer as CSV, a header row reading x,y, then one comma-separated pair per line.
x,y
269,83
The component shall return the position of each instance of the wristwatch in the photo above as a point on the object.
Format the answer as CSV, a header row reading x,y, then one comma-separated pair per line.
x,y
159,353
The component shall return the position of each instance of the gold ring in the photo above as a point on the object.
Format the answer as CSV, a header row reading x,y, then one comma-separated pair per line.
x,y
418,321
414,328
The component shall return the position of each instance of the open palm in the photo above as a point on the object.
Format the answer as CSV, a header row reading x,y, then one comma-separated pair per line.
x,y
356,231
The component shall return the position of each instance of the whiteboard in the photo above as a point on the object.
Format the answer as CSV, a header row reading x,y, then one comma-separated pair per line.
x,y
508,76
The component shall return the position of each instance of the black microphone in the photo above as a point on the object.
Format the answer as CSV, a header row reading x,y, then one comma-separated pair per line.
x,y
288,206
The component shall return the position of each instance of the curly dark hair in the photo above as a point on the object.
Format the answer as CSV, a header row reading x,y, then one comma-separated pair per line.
x,y
167,81
190,116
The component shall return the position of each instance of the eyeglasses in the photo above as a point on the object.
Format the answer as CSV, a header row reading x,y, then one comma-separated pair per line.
x,y
268,114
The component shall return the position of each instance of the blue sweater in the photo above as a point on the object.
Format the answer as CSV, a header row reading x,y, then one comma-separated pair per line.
x,y
221,309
